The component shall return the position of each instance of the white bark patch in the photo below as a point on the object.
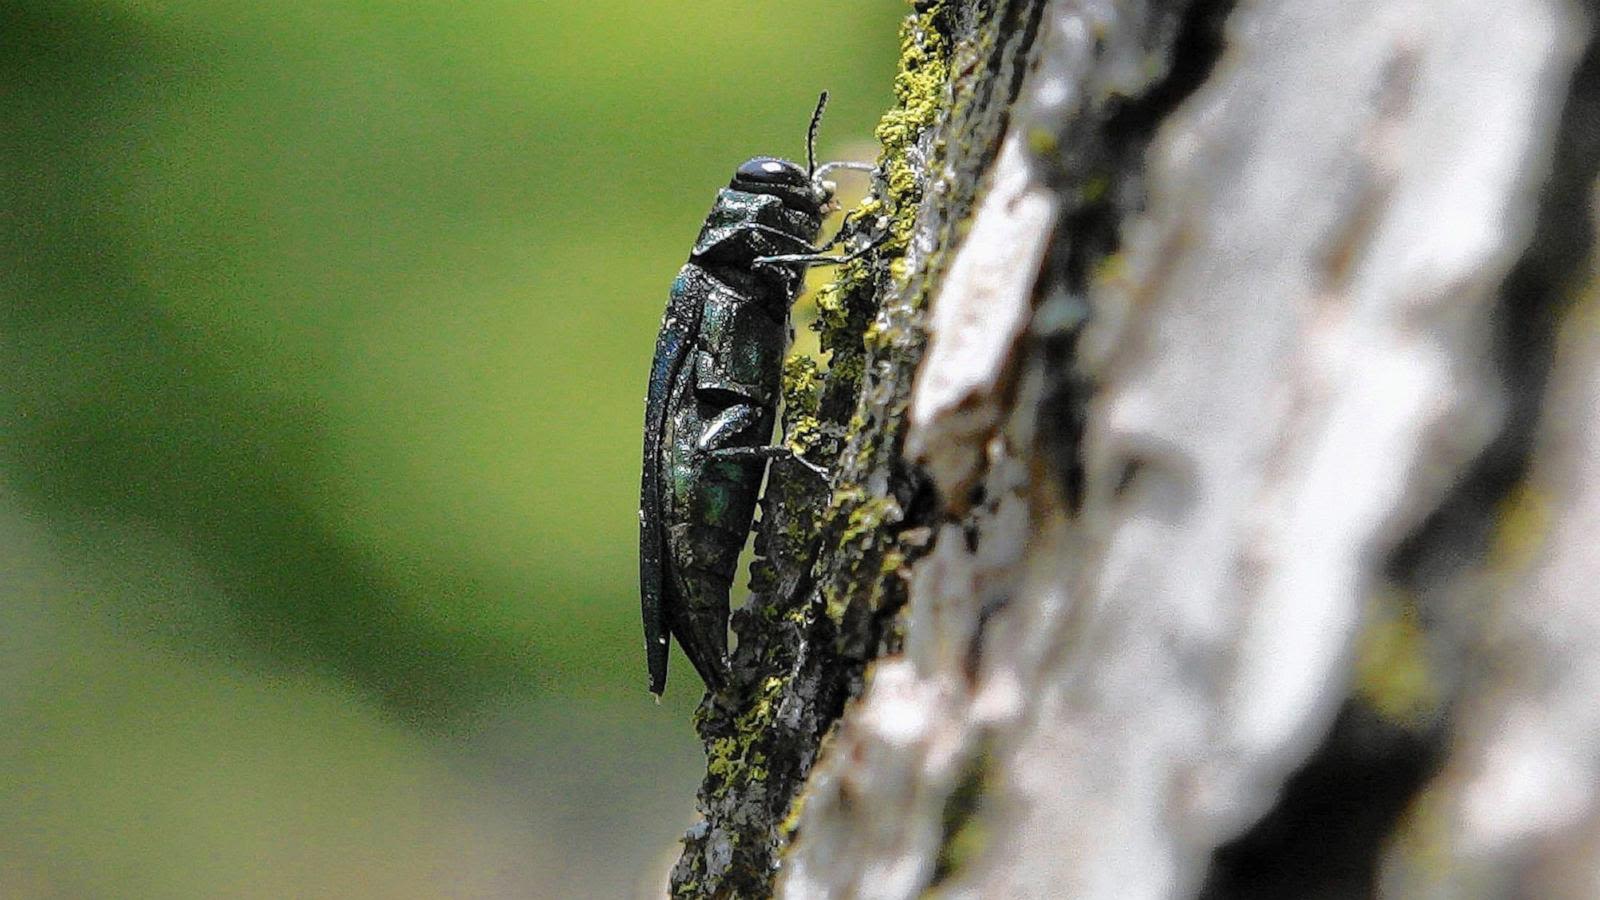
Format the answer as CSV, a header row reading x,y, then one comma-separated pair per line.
x,y
1302,372
1517,809
1292,367
975,322
891,760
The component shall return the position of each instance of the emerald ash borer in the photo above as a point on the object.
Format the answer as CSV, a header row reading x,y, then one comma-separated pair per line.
x,y
713,397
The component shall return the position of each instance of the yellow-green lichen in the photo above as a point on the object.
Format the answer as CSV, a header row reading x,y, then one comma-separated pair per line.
x,y
964,835
791,822
802,384
833,319
1110,268
802,399
844,497
722,757
920,88
864,517
1393,675
1523,523
850,368
1420,847
835,603
873,339
1042,142
738,761
868,517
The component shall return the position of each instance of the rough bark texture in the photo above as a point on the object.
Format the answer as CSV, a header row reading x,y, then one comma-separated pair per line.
x,y
1212,498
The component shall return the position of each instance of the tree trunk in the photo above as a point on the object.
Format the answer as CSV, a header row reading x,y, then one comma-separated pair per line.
x,y
1214,472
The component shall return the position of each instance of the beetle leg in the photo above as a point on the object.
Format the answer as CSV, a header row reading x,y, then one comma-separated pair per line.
x,y
782,235
732,454
817,257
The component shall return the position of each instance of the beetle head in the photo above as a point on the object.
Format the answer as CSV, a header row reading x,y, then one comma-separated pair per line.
x,y
801,189
784,180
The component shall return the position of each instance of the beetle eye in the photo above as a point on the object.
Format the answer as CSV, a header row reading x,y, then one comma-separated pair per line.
x,y
766,170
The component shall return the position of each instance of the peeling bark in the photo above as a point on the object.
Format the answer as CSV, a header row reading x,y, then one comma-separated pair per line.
x,y
1210,500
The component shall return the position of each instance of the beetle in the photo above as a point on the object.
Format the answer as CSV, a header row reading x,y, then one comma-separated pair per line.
x,y
713,397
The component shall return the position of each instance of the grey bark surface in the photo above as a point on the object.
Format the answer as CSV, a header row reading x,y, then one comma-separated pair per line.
x,y
1214,495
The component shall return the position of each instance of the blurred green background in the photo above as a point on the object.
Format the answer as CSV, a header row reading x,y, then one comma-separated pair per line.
x,y
323,336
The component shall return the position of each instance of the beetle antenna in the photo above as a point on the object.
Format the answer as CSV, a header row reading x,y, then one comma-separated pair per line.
x,y
825,168
811,136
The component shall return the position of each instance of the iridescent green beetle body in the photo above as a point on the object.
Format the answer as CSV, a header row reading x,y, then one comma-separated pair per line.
x,y
714,388
713,398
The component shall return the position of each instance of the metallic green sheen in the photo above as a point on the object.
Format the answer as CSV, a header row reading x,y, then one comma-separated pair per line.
x,y
714,385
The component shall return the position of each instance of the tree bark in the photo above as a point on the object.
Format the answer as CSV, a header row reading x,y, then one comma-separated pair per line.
x,y
1213,472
